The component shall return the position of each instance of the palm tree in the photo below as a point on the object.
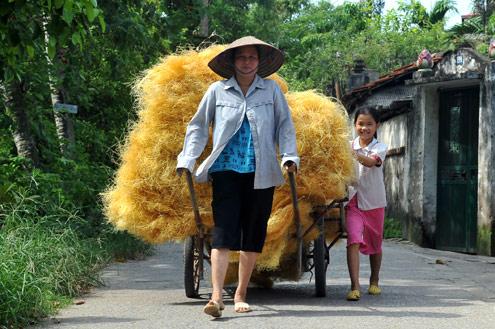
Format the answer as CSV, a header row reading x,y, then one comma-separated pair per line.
x,y
437,14
473,25
440,10
485,9
475,29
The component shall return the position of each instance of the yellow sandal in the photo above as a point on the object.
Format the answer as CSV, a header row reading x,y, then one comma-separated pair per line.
x,y
354,295
374,290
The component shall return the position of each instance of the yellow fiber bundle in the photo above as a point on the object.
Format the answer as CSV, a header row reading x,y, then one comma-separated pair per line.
x,y
326,168
149,200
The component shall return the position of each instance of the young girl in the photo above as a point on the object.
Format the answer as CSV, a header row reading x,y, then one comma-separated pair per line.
x,y
366,208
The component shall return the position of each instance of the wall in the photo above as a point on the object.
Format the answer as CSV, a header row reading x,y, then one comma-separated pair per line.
x,y
460,64
486,165
393,132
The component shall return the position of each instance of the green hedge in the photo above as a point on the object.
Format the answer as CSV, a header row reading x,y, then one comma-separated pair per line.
x,y
47,257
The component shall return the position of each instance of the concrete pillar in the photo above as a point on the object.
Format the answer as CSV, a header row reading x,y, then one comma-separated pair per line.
x,y
430,161
486,165
423,141
414,228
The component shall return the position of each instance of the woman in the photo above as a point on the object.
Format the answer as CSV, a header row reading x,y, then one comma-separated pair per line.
x,y
250,120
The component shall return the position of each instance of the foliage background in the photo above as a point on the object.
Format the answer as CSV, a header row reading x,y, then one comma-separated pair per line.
x,y
50,210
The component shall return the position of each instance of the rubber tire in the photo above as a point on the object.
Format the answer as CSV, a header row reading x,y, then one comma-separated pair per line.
x,y
190,284
320,266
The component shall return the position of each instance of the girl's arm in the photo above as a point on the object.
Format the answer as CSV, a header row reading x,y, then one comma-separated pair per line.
x,y
368,161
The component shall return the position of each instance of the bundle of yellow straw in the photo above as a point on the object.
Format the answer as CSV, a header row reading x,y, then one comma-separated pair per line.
x,y
149,200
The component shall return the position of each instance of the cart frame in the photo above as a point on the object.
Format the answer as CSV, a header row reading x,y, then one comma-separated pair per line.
x,y
315,258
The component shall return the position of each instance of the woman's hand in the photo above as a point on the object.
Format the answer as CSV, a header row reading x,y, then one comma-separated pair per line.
x,y
290,166
180,171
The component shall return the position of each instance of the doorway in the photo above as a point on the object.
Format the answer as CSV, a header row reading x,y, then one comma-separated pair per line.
x,y
457,202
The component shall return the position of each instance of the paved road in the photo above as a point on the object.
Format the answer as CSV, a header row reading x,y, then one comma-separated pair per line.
x,y
417,293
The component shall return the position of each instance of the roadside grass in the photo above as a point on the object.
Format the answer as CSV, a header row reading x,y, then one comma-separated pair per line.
x,y
392,228
45,260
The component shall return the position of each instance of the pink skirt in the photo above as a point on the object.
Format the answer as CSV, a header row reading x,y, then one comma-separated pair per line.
x,y
364,227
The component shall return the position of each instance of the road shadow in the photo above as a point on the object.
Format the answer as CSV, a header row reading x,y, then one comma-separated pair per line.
x,y
283,299
84,320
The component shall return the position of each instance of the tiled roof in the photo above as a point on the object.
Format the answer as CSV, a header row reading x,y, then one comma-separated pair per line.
x,y
385,79
468,16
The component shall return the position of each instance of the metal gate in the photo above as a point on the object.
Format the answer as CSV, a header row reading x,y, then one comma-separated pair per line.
x,y
457,200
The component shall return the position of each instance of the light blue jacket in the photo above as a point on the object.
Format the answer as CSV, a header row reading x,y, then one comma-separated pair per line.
x,y
224,107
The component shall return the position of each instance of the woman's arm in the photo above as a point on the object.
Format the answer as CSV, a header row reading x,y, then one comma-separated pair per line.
x,y
285,132
197,132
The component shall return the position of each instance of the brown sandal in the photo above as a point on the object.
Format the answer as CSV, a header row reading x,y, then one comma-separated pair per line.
x,y
214,308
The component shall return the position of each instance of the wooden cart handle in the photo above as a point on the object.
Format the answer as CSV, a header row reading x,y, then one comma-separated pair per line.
x,y
192,194
297,220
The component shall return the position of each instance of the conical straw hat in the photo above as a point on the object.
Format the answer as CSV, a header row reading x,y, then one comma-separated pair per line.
x,y
271,58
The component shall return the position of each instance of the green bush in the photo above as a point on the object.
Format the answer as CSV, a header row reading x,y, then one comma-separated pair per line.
x,y
43,259
53,235
47,257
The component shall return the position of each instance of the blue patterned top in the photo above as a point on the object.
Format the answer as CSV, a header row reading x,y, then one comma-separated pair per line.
x,y
238,154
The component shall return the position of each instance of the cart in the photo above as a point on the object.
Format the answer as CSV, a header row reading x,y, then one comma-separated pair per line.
x,y
313,257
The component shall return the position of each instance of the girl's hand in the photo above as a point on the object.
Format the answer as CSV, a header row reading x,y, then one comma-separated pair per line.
x,y
368,161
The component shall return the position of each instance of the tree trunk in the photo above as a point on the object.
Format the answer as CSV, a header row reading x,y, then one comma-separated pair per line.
x,y
338,92
56,74
203,25
15,108
64,125
63,122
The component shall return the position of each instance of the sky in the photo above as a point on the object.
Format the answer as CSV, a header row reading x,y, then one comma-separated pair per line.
x,y
463,6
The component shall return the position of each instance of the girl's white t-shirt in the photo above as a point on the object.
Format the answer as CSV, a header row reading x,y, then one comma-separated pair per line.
x,y
369,187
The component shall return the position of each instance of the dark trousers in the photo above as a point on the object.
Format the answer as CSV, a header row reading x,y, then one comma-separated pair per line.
x,y
240,212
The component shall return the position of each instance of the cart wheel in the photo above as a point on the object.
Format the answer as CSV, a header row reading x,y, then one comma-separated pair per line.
x,y
192,267
320,263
